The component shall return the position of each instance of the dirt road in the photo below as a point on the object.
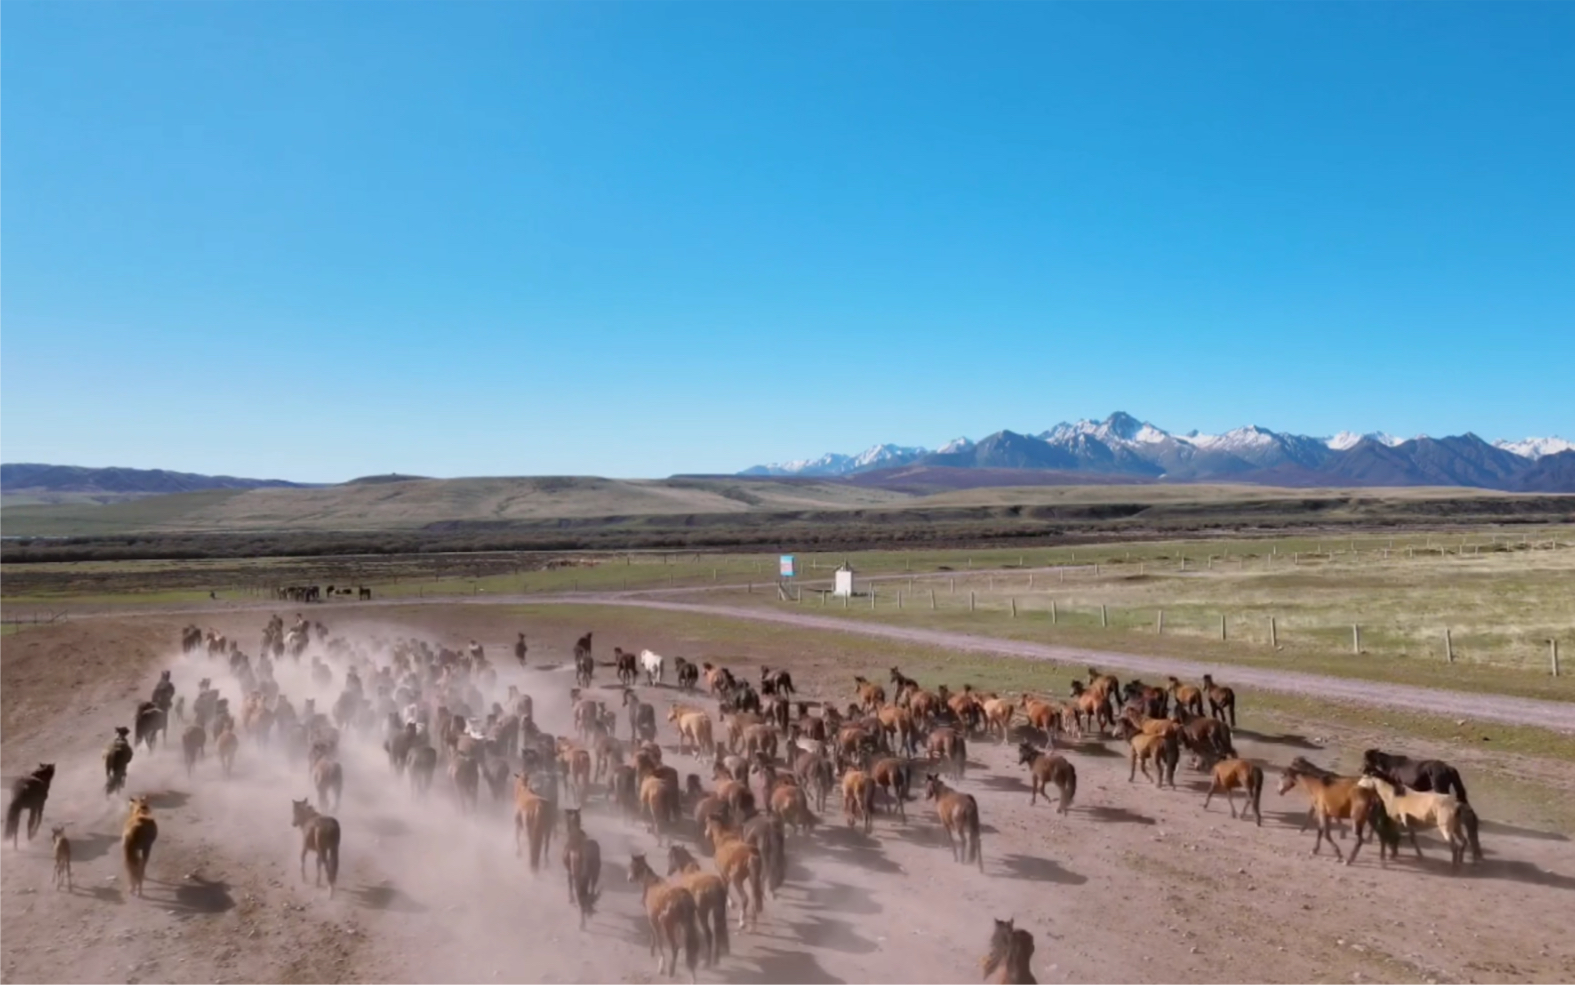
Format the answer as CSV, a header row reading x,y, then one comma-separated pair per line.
x,y
1134,885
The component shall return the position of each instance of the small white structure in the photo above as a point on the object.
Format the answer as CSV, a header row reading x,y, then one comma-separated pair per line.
x,y
844,582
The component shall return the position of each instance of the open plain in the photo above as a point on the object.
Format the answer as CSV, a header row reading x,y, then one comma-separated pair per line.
x,y
1135,883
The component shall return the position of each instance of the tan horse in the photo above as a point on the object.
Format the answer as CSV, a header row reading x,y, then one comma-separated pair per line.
x,y
871,695
741,867
791,804
1010,952
892,777
136,842
228,744
659,803
533,821
710,896
320,835
1414,807
62,846
694,730
858,798
959,814
1186,696
670,909
1230,774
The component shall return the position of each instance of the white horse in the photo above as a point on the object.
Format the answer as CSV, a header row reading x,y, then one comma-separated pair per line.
x,y
652,664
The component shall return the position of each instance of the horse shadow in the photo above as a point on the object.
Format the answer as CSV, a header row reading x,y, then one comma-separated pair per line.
x,y
1098,749
387,898
1040,870
854,847
1287,739
1514,831
104,894
997,781
200,897
168,800
89,847
1116,815
833,935
1515,871
840,897
773,965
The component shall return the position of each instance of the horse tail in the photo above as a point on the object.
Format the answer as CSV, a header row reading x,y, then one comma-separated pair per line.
x,y
974,847
330,855
13,816
583,890
756,879
1468,823
719,928
1456,786
1255,792
1069,792
692,939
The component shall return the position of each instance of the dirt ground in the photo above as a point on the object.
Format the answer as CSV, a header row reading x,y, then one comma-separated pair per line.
x,y
1134,885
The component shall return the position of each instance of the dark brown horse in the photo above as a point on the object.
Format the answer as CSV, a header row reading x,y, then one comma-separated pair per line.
x,y
582,861
28,794
319,834
1426,775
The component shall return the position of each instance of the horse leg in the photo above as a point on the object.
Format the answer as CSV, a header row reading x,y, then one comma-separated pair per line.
x,y
1230,798
1410,828
304,849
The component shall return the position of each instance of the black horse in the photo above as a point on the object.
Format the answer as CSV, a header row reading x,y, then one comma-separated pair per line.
x,y
1417,774
28,794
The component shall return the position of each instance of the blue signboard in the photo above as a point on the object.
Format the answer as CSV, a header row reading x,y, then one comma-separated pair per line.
x,y
787,565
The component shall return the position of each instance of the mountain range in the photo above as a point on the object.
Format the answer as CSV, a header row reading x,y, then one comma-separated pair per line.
x,y
109,484
1123,446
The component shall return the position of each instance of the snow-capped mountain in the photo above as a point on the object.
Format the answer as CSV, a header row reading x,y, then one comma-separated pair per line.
x,y
1350,439
1535,448
1124,445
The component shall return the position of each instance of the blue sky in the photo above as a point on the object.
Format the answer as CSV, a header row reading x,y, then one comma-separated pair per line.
x,y
321,240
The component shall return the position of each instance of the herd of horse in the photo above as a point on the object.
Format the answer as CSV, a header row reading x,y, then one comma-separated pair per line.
x,y
773,758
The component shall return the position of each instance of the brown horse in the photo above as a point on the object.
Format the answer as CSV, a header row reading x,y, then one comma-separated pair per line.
x,y
659,803
741,867
582,861
533,821
1047,767
136,842
320,835
1333,797
670,909
327,776
959,814
193,745
947,745
116,759
1186,696
1222,700
1230,774
710,896
1010,952
891,776
791,804
871,695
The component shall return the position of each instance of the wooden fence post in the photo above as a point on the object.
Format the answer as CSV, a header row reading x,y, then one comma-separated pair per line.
x,y
1274,634
970,601
899,598
1014,607
1222,626
1449,647
872,598
1183,562
1096,569
1104,616
1159,623
1030,581
932,600
1062,570
845,601
1553,655
954,586
1052,612
1356,638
